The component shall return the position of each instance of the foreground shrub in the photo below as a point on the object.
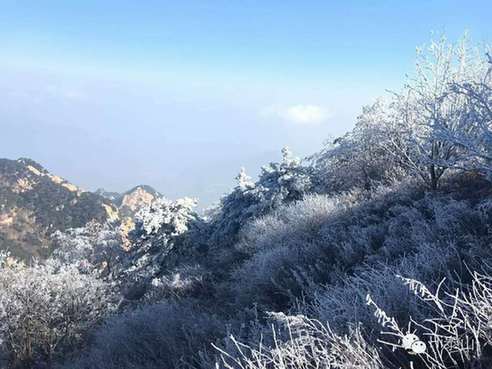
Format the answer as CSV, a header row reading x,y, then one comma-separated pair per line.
x,y
163,335
323,240
344,301
45,310
308,344
457,334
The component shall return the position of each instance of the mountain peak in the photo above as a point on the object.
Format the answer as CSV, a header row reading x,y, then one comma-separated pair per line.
x,y
138,197
143,187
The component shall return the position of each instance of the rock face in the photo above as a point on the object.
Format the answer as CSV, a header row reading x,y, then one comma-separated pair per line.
x,y
129,203
35,203
137,198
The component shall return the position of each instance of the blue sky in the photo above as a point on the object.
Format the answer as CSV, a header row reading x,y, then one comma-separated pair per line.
x,y
181,94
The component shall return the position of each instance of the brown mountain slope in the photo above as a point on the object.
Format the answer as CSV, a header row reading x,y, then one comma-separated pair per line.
x,y
34,203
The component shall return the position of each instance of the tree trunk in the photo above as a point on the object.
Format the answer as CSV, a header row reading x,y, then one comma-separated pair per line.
x,y
433,178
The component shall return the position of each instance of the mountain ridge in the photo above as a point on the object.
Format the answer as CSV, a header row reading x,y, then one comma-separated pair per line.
x,y
35,203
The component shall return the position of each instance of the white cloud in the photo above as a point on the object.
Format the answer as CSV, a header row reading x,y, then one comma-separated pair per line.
x,y
303,114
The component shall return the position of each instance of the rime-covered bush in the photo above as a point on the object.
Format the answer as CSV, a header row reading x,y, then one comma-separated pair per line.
x,y
454,334
164,217
440,120
474,129
276,248
358,159
345,301
190,281
302,244
321,239
163,335
278,183
451,331
300,342
93,248
45,311
162,234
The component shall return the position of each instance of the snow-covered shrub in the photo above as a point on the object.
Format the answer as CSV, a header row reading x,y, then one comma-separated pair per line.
x,y
277,228
471,130
164,232
344,301
307,343
45,310
191,281
165,217
321,239
358,159
277,247
93,248
164,335
440,120
438,328
306,243
456,335
278,183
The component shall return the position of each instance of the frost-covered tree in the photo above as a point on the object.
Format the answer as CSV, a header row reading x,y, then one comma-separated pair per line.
x,y
428,106
45,310
278,183
161,236
165,217
244,181
286,181
93,248
439,120
473,133
359,158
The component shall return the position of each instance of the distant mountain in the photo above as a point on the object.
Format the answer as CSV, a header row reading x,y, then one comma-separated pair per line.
x,y
129,203
34,203
134,199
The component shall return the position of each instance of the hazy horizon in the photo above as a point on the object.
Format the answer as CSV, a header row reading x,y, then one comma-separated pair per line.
x,y
122,93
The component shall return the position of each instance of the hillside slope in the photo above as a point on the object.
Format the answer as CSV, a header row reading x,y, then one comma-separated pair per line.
x,y
34,203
